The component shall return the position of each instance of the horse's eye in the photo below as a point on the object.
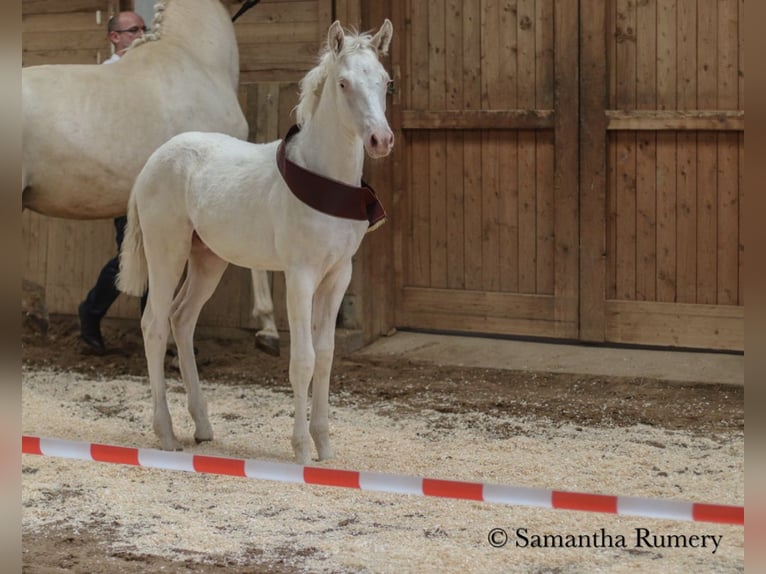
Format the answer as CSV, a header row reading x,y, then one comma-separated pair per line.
x,y
343,84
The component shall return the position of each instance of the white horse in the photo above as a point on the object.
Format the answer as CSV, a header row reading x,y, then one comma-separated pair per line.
x,y
210,199
88,130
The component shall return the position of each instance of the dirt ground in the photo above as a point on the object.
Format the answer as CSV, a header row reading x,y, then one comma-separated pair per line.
x,y
406,388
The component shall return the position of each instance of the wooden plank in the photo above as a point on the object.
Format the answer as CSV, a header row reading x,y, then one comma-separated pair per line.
x,y
544,160
546,214
611,219
545,52
482,312
454,146
490,63
29,7
479,303
34,243
707,154
491,32
276,32
594,96
420,243
527,212
686,192
687,120
646,154
490,190
528,119
280,12
741,187
63,57
728,162
624,206
349,12
472,182
77,21
437,99
295,58
666,152
564,166
625,55
472,186
646,55
526,91
505,90
508,205
676,325
66,39
646,217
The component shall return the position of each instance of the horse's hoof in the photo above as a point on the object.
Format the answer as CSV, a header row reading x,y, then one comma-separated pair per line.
x,y
267,343
171,446
326,453
199,440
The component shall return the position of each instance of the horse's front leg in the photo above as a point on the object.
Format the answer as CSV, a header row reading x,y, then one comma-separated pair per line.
x,y
327,302
300,286
267,337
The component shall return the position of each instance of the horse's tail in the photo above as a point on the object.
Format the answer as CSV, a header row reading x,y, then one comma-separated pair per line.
x,y
133,277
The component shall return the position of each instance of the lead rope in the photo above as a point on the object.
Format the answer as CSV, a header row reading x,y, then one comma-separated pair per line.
x,y
244,8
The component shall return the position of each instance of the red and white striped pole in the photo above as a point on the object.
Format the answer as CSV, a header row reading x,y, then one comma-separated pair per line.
x,y
382,482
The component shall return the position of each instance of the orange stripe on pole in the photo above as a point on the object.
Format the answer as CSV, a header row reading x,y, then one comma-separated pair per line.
x,y
586,502
453,489
30,445
331,477
218,465
116,454
718,513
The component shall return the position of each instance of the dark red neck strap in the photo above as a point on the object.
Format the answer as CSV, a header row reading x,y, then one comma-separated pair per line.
x,y
328,195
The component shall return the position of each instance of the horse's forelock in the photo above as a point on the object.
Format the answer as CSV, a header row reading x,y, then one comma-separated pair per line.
x,y
312,83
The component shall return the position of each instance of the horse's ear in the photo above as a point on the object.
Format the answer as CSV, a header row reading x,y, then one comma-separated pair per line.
x,y
335,37
382,39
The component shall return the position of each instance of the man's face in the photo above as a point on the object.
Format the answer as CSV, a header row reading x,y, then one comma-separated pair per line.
x,y
130,27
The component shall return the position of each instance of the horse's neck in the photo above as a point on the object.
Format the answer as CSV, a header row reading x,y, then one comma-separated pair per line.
x,y
325,147
203,28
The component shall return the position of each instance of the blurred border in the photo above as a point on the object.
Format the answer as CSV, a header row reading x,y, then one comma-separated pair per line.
x,y
755,287
10,285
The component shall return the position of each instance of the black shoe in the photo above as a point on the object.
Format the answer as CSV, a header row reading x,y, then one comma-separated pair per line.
x,y
90,331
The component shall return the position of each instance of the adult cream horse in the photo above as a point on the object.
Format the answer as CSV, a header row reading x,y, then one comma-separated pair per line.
x,y
88,130
290,205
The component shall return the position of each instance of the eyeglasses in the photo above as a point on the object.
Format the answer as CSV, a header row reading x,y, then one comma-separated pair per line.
x,y
133,30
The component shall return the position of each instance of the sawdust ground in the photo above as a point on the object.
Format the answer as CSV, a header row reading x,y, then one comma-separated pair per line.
x,y
685,426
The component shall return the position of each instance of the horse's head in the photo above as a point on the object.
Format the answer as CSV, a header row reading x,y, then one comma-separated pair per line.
x,y
360,82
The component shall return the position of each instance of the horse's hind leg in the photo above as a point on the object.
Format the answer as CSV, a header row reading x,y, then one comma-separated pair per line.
x,y
267,337
165,267
202,277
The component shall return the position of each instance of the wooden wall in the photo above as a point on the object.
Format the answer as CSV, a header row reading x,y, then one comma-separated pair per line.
x,y
562,168
66,31
669,103
487,212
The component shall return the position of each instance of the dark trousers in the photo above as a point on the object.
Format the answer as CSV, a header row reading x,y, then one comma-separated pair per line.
x,y
104,293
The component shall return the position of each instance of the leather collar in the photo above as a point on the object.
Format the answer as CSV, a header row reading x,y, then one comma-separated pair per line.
x,y
327,195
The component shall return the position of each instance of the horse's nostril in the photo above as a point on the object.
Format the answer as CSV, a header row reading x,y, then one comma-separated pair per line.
x,y
374,141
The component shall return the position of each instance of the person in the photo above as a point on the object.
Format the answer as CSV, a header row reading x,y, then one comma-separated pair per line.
x,y
123,28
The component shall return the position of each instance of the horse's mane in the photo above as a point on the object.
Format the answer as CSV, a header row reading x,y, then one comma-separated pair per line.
x,y
312,83
156,33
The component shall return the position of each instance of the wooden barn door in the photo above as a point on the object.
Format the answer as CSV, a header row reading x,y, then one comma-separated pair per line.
x,y
486,190
662,168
